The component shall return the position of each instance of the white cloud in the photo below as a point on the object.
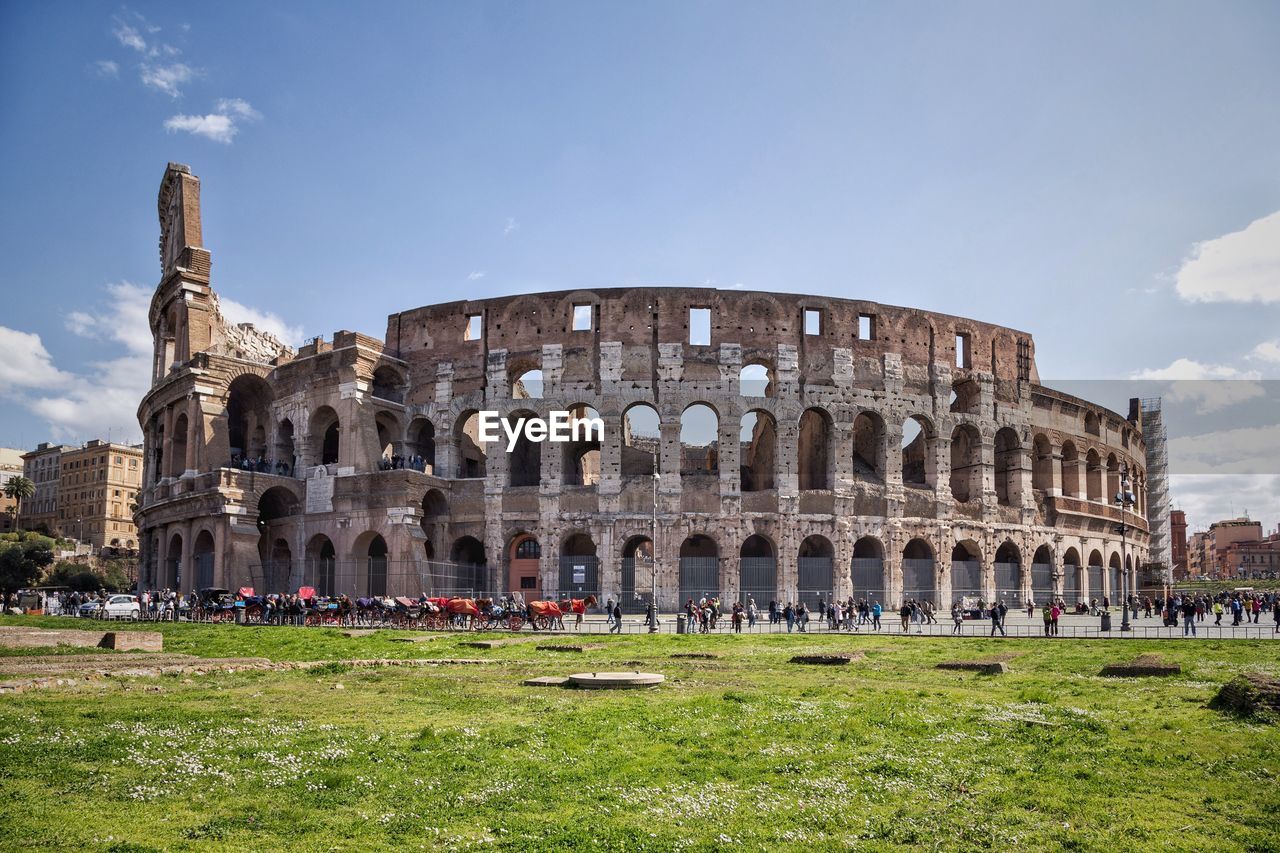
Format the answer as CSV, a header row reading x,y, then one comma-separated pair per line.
x,y
105,399
124,319
167,78
219,128
1243,450
129,37
511,225
1243,266
220,125
236,107
475,275
1207,498
107,68
1267,351
25,363
1211,387
237,313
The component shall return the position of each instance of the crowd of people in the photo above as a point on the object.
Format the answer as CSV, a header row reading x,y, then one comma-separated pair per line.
x,y
396,462
261,465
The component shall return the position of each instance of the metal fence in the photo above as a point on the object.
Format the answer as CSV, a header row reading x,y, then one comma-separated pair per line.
x,y
637,585
1071,584
966,579
1041,582
699,576
918,580
868,578
580,576
758,579
1009,583
1095,582
815,580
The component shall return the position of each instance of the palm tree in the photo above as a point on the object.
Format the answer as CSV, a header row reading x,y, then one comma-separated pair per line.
x,y
19,489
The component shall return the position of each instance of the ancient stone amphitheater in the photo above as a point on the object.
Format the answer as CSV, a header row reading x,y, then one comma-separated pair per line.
x,y
804,446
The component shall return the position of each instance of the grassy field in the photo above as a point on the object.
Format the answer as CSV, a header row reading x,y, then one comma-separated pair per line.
x,y
746,748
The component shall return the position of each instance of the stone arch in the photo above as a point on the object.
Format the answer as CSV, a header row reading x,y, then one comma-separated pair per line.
x,y
248,413
919,577
579,566
178,449
816,570
202,550
1042,563
422,443
966,397
321,570
524,461
286,454
637,573
580,465
1071,486
757,570
1071,581
919,452
326,432
388,383
869,446
699,440
1041,462
641,440
699,567
758,436
867,569
389,433
815,460
756,379
1008,467
966,463
966,569
524,560
370,553
1094,486
472,455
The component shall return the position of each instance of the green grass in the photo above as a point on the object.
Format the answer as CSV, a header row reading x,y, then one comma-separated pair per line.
x,y
746,748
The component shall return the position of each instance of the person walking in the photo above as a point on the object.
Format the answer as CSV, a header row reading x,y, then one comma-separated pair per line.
x,y
617,617
997,622
1217,613
957,618
1188,616
905,613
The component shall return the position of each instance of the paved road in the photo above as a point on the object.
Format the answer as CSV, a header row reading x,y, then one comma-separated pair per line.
x,y
1016,625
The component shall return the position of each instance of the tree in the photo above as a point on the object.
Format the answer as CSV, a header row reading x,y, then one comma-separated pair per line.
x,y
19,489
21,562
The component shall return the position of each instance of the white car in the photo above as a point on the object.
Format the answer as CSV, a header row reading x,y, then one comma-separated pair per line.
x,y
115,607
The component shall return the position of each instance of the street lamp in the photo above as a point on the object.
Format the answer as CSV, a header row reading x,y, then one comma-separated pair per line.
x,y
1125,498
653,553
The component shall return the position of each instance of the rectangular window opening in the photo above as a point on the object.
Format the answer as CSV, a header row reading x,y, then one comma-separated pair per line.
x,y
866,327
962,350
700,327
812,321
582,318
475,327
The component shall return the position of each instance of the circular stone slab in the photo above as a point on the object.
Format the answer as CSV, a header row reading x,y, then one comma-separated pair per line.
x,y
616,680
546,681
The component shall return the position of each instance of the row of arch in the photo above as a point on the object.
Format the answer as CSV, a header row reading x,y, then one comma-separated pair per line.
x,y
1086,475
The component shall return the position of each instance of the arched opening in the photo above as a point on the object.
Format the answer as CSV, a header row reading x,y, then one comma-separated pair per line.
x,y
815,459
1042,463
699,568
375,556
641,438
1042,575
918,576
966,463
867,569
178,457
524,462
248,413
527,385
757,571
699,441
1008,467
1094,576
422,445
1093,476
157,451
388,384
468,570
202,556
472,456
580,465
1113,477
524,577
434,506
637,574
966,570
755,380
389,444
1070,470
815,570
321,565
919,465
869,447
579,567
758,439
1113,579
275,507
286,454
1071,571
1091,425
173,562
325,431
1008,569
966,397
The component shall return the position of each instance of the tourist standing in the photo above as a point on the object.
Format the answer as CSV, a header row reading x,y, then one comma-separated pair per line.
x,y
997,621
876,610
957,618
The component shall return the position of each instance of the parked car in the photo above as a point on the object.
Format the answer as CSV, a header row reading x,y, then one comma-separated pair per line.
x,y
115,607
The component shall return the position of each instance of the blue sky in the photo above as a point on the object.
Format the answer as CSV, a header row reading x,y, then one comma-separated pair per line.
x,y
1105,176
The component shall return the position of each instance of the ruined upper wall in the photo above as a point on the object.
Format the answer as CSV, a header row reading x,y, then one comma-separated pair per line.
x,y
642,318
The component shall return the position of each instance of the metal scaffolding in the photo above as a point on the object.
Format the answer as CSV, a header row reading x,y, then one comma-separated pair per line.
x,y
1158,504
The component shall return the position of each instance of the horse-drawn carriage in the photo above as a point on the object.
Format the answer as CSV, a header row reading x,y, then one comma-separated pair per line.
x,y
214,604
549,615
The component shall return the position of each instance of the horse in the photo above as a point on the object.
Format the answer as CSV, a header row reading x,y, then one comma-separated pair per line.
x,y
463,611
552,612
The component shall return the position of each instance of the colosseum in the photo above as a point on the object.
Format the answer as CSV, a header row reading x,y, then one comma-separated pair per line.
x,y
775,445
